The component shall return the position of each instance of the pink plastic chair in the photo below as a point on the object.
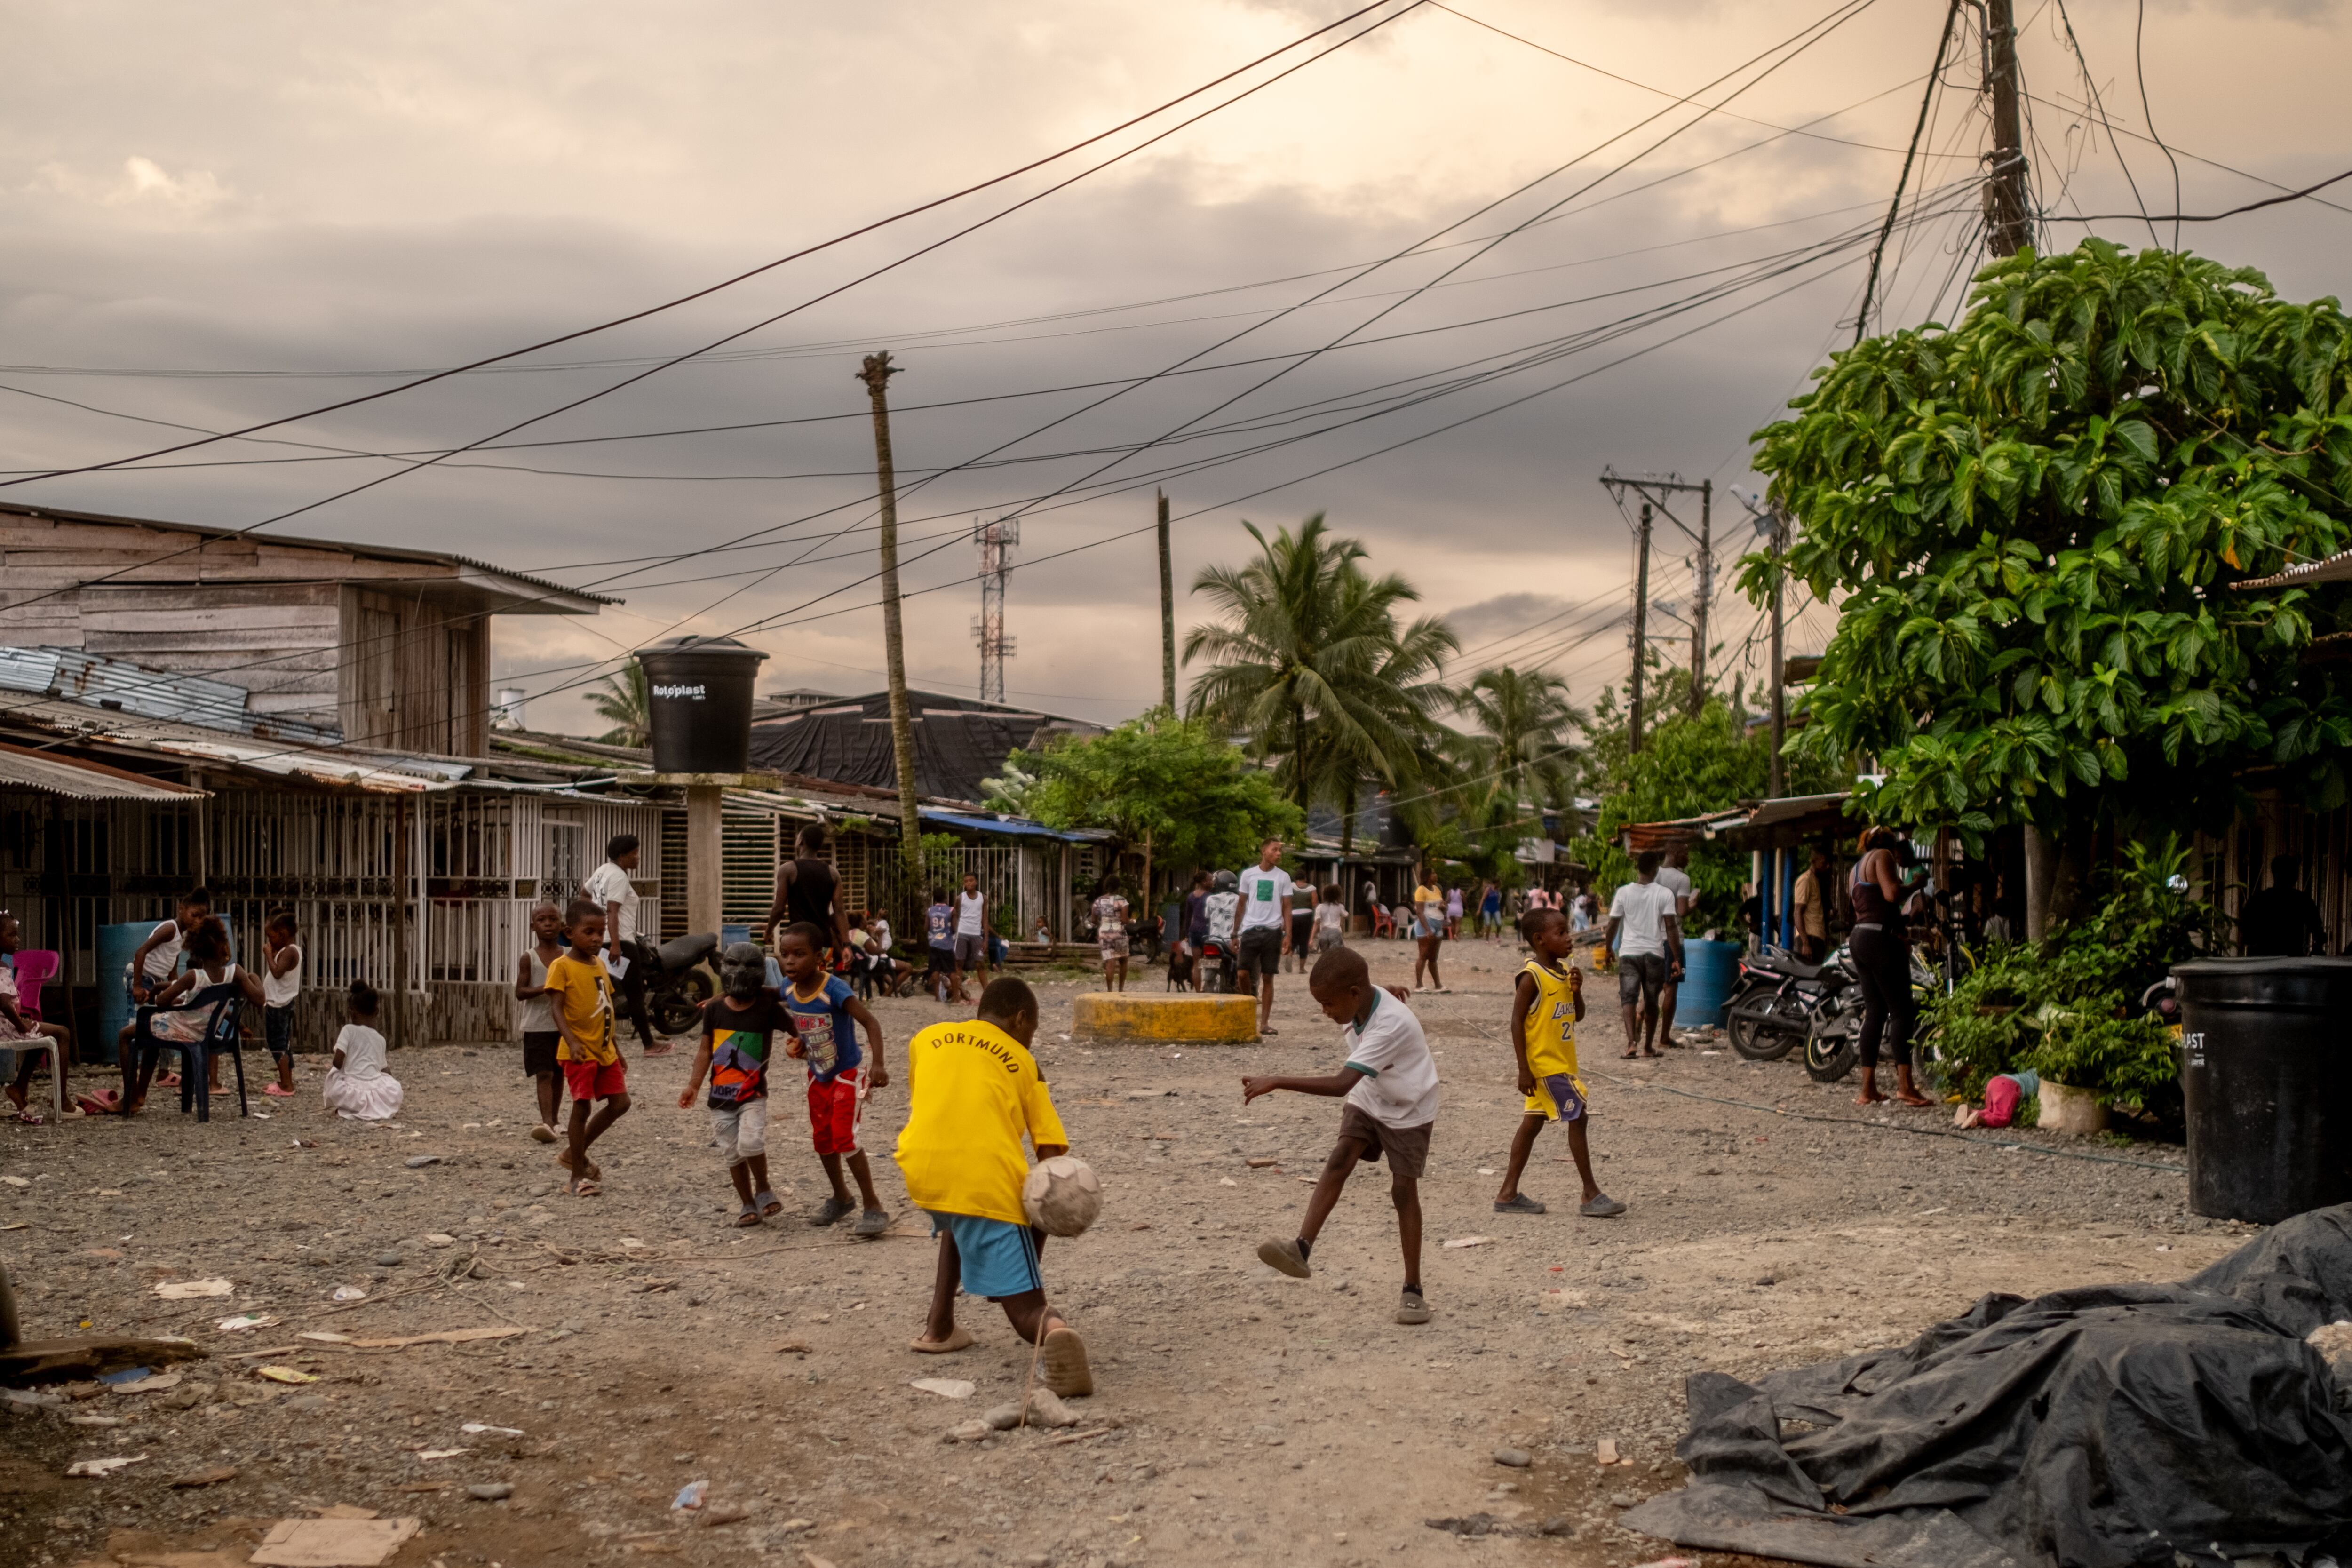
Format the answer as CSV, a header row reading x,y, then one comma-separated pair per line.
x,y
35,968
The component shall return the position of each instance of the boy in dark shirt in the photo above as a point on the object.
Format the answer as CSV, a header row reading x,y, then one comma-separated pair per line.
x,y
736,1031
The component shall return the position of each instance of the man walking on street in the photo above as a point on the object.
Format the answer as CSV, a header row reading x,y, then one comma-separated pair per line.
x,y
1261,925
1675,877
1644,914
609,888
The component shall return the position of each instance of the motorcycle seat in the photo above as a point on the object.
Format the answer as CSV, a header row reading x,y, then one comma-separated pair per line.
x,y
1780,961
688,951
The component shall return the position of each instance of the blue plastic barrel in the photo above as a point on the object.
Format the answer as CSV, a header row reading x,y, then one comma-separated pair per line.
x,y
1709,971
730,934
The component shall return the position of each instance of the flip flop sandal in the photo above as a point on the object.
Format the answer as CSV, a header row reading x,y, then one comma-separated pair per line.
x,y
274,1090
958,1339
746,1217
769,1204
167,1081
594,1172
586,1187
1065,1368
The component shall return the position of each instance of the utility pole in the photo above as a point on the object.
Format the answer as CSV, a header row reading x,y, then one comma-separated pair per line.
x,y
2008,227
1706,594
1641,626
1779,525
1167,614
996,541
875,374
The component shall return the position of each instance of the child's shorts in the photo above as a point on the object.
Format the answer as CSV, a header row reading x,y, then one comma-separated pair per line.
x,y
596,1081
998,1257
1558,1097
1406,1147
942,960
834,1108
538,1048
278,1031
741,1130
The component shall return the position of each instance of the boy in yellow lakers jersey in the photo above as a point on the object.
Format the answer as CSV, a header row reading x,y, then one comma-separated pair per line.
x,y
1545,1010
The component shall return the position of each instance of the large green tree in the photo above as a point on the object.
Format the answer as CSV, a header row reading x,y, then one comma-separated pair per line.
x,y
1170,789
1309,663
2033,525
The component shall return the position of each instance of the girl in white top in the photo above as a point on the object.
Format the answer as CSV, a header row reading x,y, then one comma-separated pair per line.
x,y
1330,922
357,1086
183,1011
281,983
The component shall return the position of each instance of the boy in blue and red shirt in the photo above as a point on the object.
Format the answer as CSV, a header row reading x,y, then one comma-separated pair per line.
x,y
738,1028
825,1015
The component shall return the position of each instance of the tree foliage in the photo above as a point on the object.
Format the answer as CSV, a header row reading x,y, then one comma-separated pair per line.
x,y
624,700
1172,783
2031,525
1309,663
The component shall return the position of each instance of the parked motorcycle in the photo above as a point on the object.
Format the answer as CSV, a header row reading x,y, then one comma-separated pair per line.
x,y
680,977
1771,1005
1217,967
1833,1038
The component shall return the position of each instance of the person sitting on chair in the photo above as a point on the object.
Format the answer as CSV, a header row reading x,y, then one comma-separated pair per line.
x,y
185,1011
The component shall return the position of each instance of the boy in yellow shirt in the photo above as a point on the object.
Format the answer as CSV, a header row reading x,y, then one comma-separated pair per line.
x,y
1546,1008
974,1091
582,989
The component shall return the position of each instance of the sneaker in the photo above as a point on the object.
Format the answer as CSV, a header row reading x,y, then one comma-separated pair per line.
x,y
871,1224
831,1210
1410,1309
1520,1202
1285,1254
1601,1207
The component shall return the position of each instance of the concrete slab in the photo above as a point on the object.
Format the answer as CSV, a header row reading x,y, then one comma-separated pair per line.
x,y
1135,1016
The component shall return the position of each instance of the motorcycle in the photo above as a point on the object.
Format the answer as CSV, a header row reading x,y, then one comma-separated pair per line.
x,y
1217,967
1771,1005
680,977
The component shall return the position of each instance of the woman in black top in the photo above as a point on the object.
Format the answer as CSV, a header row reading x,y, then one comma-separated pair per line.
x,y
1880,955
807,889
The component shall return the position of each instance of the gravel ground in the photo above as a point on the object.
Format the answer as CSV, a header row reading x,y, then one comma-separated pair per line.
x,y
1241,1416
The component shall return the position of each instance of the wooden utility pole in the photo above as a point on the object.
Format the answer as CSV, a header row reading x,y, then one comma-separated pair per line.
x,y
875,374
1780,524
1704,595
1641,626
1167,614
2008,226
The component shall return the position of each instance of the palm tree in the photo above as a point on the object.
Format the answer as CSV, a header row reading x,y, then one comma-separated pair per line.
x,y
1525,716
622,699
1308,663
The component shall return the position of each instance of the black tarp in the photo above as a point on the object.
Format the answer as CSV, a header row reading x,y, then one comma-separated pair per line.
x,y
2112,1427
957,744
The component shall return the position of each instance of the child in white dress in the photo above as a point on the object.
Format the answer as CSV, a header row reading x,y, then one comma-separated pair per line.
x,y
357,1086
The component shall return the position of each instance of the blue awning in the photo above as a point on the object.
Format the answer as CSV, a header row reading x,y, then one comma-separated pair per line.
x,y
1019,826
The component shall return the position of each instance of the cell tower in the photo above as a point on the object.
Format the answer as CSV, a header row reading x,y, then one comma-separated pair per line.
x,y
995,541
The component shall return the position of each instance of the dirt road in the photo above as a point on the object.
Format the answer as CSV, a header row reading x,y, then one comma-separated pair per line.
x,y
1243,1417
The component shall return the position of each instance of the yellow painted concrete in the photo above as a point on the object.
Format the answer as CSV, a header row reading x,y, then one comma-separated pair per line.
x,y
1139,1016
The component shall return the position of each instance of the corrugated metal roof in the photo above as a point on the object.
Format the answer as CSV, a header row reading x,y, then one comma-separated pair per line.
x,y
118,686
2336,568
380,772
78,780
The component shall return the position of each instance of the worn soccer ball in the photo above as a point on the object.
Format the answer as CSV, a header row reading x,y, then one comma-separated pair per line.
x,y
1062,1196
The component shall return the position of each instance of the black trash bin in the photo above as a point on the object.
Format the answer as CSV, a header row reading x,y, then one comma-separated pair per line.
x,y
2266,1081
699,690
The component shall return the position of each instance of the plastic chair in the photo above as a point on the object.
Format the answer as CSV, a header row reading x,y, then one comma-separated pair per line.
x,y
223,1030
35,967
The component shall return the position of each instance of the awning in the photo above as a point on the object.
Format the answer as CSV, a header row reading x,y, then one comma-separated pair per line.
x,y
1754,824
2336,568
1019,826
77,780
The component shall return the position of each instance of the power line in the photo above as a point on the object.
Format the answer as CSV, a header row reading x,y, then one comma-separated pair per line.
x,y
2148,116
2217,217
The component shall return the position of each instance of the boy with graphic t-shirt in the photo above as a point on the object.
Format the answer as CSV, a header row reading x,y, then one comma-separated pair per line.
x,y
938,936
737,1029
825,1015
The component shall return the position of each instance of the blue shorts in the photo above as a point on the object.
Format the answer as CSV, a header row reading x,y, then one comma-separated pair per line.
x,y
999,1258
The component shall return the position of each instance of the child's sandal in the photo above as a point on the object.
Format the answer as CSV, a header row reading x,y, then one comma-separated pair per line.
x,y
586,1187
746,1217
770,1206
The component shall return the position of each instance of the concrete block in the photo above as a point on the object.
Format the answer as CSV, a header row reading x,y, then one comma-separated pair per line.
x,y
1139,1016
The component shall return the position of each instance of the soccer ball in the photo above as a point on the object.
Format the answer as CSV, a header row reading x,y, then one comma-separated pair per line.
x,y
1062,1196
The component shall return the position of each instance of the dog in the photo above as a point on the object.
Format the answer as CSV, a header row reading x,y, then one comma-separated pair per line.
x,y
1179,968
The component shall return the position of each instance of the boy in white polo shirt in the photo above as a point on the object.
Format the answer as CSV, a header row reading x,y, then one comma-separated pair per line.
x,y
1390,1083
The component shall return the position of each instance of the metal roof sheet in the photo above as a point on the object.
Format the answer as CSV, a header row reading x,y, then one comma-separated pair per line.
x,y
77,780
2336,568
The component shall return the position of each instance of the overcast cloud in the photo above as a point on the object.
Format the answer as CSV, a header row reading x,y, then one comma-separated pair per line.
x,y
315,191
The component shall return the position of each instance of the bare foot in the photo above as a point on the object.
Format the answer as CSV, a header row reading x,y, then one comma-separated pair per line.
x,y
16,1096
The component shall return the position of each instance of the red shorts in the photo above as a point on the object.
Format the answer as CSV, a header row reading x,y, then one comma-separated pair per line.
x,y
596,1081
834,1111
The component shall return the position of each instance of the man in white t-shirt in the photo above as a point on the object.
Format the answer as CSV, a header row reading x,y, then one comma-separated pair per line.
x,y
1262,926
1647,932
1391,1084
1675,877
609,888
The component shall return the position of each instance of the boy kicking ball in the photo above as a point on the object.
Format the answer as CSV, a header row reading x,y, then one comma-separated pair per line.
x,y
1546,1008
1390,1083
976,1093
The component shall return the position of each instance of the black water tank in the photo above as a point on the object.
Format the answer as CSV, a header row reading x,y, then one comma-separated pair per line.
x,y
699,691
2267,1084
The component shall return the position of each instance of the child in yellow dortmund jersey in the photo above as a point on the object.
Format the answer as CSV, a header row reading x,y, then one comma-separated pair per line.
x,y
1545,1010
974,1093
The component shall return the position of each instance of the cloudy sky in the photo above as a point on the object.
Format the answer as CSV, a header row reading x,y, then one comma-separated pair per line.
x,y
214,216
